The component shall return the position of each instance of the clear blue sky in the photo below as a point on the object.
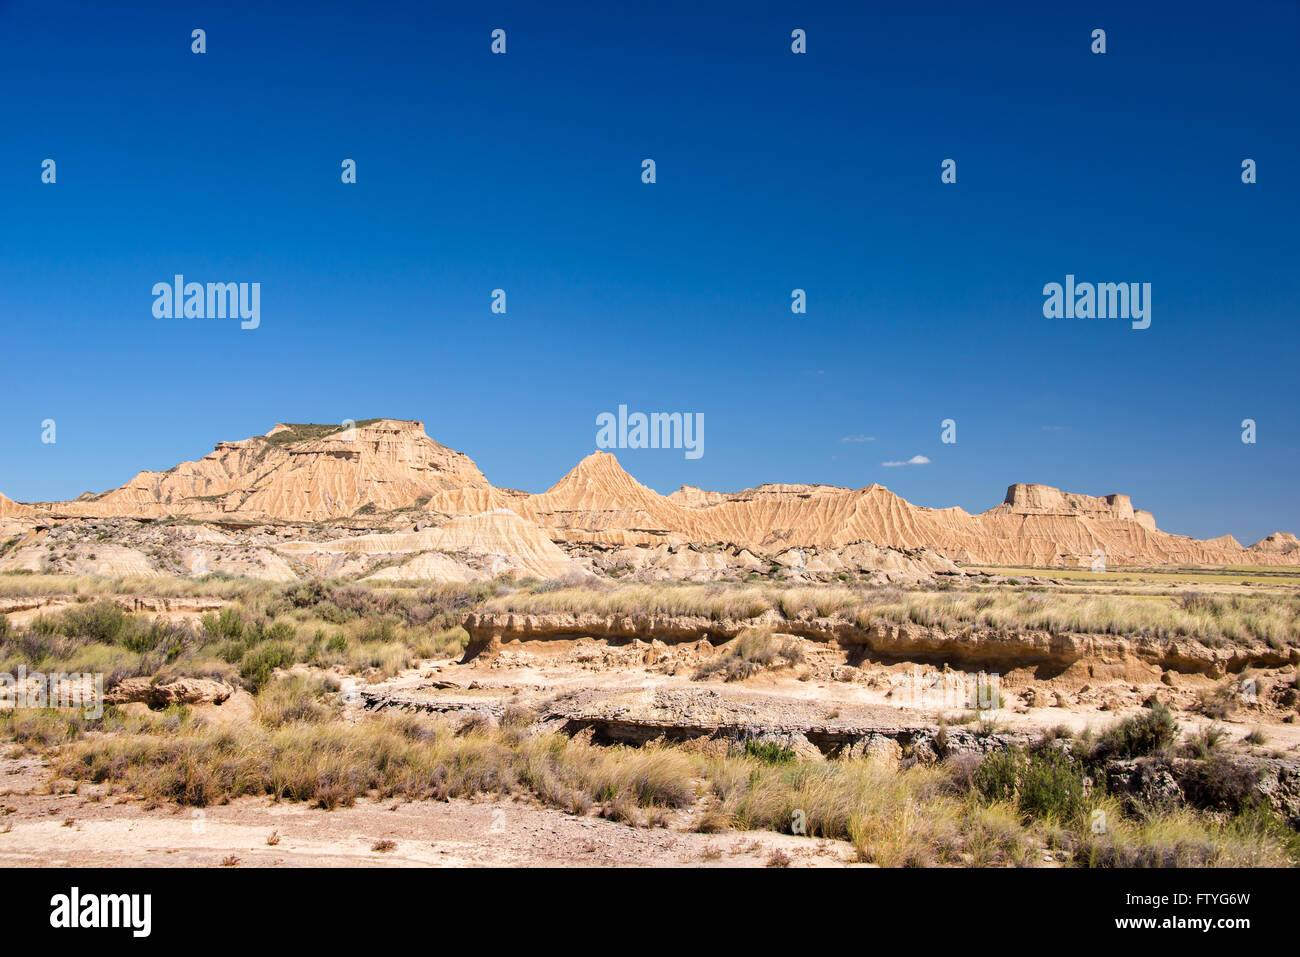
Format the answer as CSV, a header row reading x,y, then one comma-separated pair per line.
x,y
775,171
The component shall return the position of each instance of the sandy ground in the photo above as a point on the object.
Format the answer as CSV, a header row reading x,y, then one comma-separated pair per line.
x,y
40,829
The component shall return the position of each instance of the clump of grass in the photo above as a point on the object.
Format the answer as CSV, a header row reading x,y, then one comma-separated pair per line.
x,y
750,652
1184,838
296,698
1205,742
1218,702
260,662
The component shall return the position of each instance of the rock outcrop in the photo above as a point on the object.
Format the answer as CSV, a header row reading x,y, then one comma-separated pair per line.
x,y
297,472
465,549
1279,543
385,472
1000,650
11,509
165,693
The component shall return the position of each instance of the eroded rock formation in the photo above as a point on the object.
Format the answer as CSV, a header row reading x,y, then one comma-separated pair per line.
x,y
386,473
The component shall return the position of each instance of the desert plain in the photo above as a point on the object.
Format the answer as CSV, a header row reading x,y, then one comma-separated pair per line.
x,y
344,646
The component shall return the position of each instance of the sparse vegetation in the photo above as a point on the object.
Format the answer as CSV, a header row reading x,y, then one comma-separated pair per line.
x,y
1152,732
1013,804
1205,742
1001,808
1270,619
356,630
749,653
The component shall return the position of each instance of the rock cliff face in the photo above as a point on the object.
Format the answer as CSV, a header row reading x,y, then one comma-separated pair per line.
x,y
10,508
1045,500
299,473
388,472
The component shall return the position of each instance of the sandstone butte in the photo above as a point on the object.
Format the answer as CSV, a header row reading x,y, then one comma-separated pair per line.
x,y
389,473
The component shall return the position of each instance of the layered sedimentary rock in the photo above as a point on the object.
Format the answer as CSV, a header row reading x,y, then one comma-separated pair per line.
x,y
464,549
11,509
297,472
387,472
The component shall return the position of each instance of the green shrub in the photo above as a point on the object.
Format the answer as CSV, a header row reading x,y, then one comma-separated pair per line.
x,y
1149,733
1052,787
227,626
1044,785
103,621
257,665
769,752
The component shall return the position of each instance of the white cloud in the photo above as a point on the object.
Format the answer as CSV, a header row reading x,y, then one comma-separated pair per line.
x,y
914,460
858,438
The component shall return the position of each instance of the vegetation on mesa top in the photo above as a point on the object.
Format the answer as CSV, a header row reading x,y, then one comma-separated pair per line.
x,y
307,432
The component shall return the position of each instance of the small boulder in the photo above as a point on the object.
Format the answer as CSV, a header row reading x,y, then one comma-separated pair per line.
x,y
164,693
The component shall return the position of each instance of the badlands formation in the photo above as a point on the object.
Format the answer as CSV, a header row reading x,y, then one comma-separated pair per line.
x,y
847,630
382,500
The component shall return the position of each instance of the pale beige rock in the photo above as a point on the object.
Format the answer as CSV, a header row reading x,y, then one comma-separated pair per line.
x,y
314,473
385,464
1282,543
11,509
490,544
162,694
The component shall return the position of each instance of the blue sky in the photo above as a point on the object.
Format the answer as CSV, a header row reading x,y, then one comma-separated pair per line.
x,y
775,171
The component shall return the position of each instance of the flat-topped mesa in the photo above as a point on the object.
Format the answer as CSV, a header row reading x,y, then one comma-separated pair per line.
x,y
299,472
1027,499
779,490
688,496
